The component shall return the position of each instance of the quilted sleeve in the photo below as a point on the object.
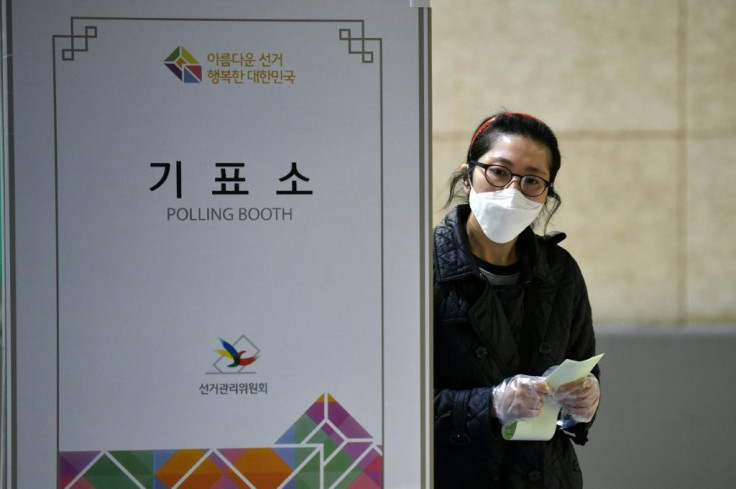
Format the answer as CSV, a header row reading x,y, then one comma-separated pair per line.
x,y
582,342
463,417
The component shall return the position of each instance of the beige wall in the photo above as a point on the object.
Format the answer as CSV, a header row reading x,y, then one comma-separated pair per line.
x,y
642,95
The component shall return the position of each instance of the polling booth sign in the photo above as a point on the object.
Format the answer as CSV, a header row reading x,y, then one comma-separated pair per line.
x,y
218,236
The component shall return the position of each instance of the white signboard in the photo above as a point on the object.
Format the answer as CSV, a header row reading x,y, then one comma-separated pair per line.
x,y
219,244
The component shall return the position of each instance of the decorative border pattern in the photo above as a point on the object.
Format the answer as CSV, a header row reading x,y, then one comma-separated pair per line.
x,y
90,32
346,34
324,448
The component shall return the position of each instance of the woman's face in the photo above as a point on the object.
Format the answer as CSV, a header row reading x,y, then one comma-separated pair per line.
x,y
520,155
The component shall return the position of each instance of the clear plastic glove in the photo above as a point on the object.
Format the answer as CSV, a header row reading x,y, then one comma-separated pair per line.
x,y
520,397
579,399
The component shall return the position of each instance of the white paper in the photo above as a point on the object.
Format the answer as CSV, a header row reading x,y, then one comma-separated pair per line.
x,y
543,426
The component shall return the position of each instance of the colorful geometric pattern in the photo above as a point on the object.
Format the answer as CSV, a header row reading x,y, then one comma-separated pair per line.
x,y
325,449
184,65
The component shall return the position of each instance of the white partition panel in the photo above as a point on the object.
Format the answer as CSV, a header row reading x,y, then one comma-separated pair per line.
x,y
219,256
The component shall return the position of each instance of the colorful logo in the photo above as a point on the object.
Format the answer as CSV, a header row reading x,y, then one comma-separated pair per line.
x,y
236,356
184,65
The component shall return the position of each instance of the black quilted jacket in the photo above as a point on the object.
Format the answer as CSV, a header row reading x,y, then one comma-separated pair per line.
x,y
474,350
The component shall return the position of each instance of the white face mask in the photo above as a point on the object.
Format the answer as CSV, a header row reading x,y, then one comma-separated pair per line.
x,y
503,214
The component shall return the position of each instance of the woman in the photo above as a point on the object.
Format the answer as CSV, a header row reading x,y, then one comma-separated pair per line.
x,y
508,306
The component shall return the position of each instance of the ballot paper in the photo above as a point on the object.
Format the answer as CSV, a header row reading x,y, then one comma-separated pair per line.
x,y
543,427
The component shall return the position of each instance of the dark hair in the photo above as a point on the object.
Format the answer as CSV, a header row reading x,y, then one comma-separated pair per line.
x,y
485,137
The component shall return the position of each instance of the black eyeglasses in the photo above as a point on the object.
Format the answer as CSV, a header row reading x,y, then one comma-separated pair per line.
x,y
500,176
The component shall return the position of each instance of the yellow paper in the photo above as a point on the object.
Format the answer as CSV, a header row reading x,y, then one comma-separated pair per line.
x,y
543,427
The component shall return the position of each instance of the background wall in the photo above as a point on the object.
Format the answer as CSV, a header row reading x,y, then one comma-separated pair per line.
x,y
642,96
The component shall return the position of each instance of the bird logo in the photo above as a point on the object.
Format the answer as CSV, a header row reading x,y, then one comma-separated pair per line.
x,y
237,357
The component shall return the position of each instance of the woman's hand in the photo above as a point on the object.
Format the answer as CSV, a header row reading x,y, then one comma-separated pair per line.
x,y
519,397
579,399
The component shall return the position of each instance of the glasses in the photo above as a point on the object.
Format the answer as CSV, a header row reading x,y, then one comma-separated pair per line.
x,y
500,176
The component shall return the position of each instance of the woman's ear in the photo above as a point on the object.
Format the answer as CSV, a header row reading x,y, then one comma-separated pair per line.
x,y
466,182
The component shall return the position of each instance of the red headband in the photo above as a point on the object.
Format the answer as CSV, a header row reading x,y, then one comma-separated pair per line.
x,y
490,121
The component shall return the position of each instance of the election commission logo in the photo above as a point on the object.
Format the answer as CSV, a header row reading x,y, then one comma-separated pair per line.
x,y
184,66
236,357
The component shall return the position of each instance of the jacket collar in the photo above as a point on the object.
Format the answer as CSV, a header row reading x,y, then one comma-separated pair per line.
x,y
453,259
